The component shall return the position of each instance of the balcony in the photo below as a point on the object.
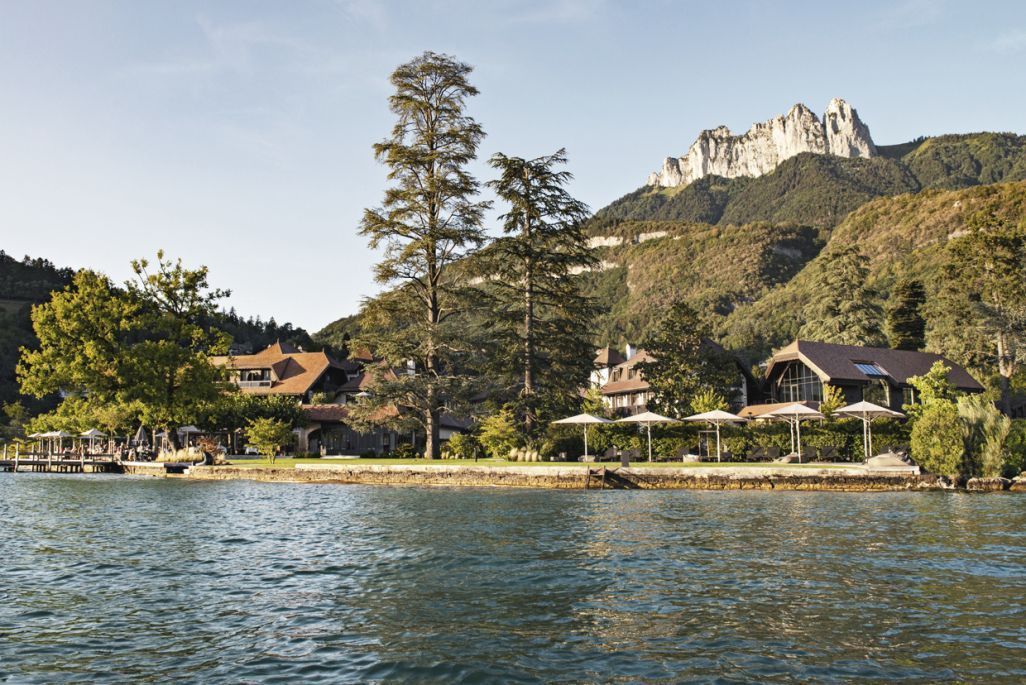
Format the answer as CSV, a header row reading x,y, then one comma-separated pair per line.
x,y
254,384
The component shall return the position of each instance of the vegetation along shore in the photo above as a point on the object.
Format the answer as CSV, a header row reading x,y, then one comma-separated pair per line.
x,y
847,318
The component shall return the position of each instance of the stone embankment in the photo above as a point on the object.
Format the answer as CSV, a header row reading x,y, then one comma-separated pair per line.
x,y
850,479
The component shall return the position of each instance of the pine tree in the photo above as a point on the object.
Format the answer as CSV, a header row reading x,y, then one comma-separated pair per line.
x,y
538,309
428,221
906,327
843,311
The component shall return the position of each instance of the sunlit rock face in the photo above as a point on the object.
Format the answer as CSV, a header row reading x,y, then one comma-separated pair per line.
x,y
721,153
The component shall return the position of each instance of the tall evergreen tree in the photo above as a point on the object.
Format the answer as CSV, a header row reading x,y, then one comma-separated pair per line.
x,y
843,311
428,221
906,327
543,320
685,363
988,266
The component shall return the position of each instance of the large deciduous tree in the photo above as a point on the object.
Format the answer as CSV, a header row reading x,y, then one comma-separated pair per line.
x,y
171,373
428,221
542,320
685,362
85,333
143,348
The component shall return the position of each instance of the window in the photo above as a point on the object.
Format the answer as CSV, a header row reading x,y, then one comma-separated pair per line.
x,y
908,395
254,378
871,369
877,392
799,384
632,372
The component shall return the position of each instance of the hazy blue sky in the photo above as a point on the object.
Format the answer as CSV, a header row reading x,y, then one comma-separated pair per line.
x,y
238,134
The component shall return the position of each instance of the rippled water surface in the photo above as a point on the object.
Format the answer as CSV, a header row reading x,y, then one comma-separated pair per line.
x,y
118,579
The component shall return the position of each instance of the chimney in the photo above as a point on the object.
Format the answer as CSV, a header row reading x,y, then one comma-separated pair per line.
x,y
631,351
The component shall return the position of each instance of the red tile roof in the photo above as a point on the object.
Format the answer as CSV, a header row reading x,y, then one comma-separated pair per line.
x,y
296,372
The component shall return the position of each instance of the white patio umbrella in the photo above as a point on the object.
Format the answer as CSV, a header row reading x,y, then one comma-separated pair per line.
x,y
867,411
794,414
717,418
647,419
583,420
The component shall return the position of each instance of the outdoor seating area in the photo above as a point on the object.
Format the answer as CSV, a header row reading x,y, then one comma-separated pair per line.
x,y
794,415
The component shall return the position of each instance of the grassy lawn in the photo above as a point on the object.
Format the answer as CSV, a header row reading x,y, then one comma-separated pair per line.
x,y
290,463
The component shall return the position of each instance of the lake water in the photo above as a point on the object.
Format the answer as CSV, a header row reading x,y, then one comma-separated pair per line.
x,y
120,579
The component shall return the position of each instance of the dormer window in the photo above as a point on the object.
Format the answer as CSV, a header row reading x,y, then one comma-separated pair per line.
x,y
254,378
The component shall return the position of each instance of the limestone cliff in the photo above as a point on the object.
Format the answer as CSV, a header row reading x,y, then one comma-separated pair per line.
x,y
721,153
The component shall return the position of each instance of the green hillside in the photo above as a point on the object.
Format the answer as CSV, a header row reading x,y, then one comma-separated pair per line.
x,y
716,268
899,235
820,190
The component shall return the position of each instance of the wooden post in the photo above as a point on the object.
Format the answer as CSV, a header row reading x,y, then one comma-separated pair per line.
x,y
16,458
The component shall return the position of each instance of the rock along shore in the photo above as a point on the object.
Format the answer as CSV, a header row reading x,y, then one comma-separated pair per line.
x,y
576,477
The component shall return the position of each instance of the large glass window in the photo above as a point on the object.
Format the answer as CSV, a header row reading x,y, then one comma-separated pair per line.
x,y
798,383
877,392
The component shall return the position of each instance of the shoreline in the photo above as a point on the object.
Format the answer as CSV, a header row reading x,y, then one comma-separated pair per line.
x,y
578,477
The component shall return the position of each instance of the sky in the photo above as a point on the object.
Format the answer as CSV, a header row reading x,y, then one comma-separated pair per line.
x,y
237,134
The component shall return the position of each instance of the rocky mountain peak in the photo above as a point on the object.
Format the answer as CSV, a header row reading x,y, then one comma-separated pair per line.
x,y
765,145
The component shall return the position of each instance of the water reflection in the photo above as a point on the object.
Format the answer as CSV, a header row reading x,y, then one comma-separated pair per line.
x,y
115,579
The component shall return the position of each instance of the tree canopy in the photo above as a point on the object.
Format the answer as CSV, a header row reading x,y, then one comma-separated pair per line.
x,y
428,221
684,363
142,348
540,323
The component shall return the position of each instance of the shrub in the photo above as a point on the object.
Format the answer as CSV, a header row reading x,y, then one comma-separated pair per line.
x,y
985,432
937,439
570,445
368,454
268,436
664,448
406,451
1016,458
833,399
461,446
499,434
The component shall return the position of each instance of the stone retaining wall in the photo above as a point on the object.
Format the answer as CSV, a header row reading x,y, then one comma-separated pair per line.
x,y
569,477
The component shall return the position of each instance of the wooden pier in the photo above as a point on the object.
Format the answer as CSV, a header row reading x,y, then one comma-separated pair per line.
x,y
42,463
